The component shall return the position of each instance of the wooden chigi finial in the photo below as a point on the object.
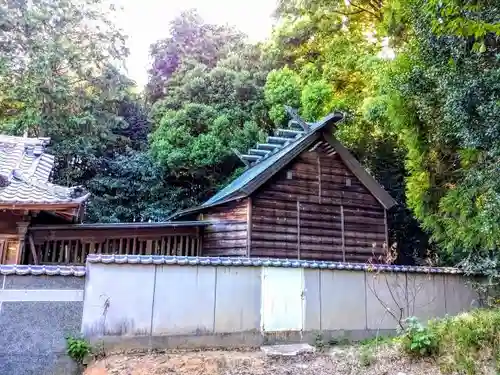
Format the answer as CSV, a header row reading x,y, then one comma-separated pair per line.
x,y
296,118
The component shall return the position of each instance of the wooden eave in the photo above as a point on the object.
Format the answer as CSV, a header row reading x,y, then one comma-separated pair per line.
x,y
40,206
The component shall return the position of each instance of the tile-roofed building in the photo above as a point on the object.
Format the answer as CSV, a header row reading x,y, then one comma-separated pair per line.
x,y
25,192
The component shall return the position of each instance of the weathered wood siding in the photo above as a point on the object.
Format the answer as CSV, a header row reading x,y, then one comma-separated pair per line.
x,y
228,235
317,209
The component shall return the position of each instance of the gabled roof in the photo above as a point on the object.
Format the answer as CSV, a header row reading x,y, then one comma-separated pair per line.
x,y
25,169
262,166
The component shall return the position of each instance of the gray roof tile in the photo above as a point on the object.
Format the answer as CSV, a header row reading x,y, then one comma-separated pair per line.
x,y
27,168
25,270
262,262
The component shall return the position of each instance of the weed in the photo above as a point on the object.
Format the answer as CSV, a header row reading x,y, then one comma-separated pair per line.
x,y
78,349
467,339
417,339
377,341
319,341
366,357
338,341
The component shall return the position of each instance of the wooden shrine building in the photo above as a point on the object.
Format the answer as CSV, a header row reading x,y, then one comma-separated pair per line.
x,y
27,197
302,196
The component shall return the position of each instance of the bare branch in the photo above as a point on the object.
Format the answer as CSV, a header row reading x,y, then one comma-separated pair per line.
x,y
377,16
374,5
399,319
391,293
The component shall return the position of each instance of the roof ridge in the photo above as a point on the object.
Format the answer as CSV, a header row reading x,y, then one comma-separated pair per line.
x,y
58,191
280,139
259,173
13,139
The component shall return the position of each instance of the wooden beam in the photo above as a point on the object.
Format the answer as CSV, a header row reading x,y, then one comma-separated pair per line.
x,y
33,249
343,231
319,178
298,229
249,226
278,140
244,161
289,133
386,230
39,206
268,146
251,158
3,245
255,151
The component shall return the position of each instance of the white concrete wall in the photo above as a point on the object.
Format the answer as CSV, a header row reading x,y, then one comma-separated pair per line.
x,y
193,301
184,300
118,300
169,300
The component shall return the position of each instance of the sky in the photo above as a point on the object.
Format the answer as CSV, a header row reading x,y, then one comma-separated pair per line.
x,y
146,21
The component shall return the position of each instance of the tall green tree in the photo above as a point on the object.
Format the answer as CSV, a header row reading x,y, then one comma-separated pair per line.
x,y
59,78
212,102
128,185
440,96
331,58
191,41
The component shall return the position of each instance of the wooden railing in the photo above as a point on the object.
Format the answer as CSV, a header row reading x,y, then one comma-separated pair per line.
x,y
71,244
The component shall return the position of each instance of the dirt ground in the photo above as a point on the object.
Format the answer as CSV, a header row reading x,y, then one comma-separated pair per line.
x,y
335,362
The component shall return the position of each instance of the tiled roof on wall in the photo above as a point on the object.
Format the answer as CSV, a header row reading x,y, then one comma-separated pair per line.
x,y
259,262
25,169
22,270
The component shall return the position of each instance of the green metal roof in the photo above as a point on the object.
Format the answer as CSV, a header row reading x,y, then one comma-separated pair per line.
x,y
266,166
261,171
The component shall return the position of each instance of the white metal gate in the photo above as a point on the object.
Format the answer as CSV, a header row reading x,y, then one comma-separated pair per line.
x,y
283,299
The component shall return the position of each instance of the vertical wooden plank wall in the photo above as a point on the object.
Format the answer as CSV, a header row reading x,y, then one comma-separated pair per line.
x,y
317,209
72,245
228,236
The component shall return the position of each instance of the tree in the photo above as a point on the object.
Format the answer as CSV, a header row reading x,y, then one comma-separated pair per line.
x,y
191,41
440,96
208,100
128,186
331,52
58,78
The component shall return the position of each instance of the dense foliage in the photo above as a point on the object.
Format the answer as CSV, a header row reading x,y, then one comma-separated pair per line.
x,y
207,103
440,95
419,81
468,343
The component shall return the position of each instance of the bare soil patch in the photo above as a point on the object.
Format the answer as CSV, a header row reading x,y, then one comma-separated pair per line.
x,y
341,361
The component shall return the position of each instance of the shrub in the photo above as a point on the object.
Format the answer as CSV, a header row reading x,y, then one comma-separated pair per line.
x,y
418,340
77,349
461,343
366,357
467,340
